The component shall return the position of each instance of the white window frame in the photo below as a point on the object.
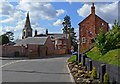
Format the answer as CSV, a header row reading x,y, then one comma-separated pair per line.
x,y
83,39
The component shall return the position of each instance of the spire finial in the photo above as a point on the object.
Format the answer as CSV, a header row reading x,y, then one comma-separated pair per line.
x,y
28,14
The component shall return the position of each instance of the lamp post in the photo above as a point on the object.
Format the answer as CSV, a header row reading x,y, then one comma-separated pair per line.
x,y
78,42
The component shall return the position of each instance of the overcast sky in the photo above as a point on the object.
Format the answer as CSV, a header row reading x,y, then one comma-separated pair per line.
x,y
49,15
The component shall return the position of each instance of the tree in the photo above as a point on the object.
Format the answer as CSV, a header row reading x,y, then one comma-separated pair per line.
x,y
9,35
101,41
69,30
113,36
4,39
110,40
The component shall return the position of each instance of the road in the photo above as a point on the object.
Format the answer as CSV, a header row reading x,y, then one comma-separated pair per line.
x,y
35,70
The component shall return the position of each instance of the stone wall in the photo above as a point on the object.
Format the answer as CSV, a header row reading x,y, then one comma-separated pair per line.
x,y
59,51
113,71
30,50
11,51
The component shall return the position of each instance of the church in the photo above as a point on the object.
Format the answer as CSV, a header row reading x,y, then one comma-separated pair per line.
x,y
89,28
58,39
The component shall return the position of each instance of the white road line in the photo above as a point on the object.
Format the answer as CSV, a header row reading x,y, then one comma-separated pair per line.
x,y
11,63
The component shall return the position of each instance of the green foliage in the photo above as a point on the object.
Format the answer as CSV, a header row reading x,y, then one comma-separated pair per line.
x,y
94,73
4,39
9,35
100,42
106,79
80,64
72,58
110,40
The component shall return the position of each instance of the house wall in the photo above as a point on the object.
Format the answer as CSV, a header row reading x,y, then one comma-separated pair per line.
x,y
31,50
42,51
59,51
84,28
9,50
98,24
89,29
49,47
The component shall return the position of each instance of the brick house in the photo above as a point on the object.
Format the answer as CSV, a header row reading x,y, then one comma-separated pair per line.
x,y
89,28
37,46
59,40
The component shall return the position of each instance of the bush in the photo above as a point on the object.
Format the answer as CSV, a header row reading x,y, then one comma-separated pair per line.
x,y
106,78
94,73
80,64
110,40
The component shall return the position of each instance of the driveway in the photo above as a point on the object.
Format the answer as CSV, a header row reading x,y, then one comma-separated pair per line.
x,y
36,70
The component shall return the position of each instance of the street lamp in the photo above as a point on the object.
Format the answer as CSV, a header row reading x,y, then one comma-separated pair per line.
x,y
78,42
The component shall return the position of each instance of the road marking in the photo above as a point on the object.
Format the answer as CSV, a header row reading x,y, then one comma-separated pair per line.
x,y
11,63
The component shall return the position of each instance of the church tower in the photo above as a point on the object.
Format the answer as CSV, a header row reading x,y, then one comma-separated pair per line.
x,y
27,30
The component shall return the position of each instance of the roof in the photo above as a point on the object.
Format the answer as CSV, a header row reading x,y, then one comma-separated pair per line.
x,y
54,35
33,40
90,16
17,40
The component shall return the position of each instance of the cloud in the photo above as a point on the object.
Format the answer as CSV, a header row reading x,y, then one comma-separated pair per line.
x,y
58,22
6,8
17,14
46,10
39,29
108,12
60,12
84,11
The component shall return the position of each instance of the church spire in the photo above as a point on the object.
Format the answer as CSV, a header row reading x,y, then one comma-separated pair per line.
x,y
27,23
27,30
93,9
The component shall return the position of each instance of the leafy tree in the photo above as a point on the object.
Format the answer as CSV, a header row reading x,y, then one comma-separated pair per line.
x,y
101,41
110,40
113,37
9,35
4,39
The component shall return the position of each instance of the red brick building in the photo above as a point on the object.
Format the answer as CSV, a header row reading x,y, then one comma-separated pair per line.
x,y
89,28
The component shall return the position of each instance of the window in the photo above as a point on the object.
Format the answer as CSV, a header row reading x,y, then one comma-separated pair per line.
x,y
24,33
29,34
83,40
92,40
102,24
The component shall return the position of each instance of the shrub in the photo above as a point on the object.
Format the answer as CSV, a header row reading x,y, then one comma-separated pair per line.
x,y
80,64
94,73
106,78
110,40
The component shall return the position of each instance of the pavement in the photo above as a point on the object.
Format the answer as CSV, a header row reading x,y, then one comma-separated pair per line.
x,y
35,70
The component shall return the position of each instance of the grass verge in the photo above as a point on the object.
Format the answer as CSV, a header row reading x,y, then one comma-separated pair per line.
x,y
72,58
111,57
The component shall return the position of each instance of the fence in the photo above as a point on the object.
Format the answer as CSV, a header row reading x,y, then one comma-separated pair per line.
x,y
102,68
